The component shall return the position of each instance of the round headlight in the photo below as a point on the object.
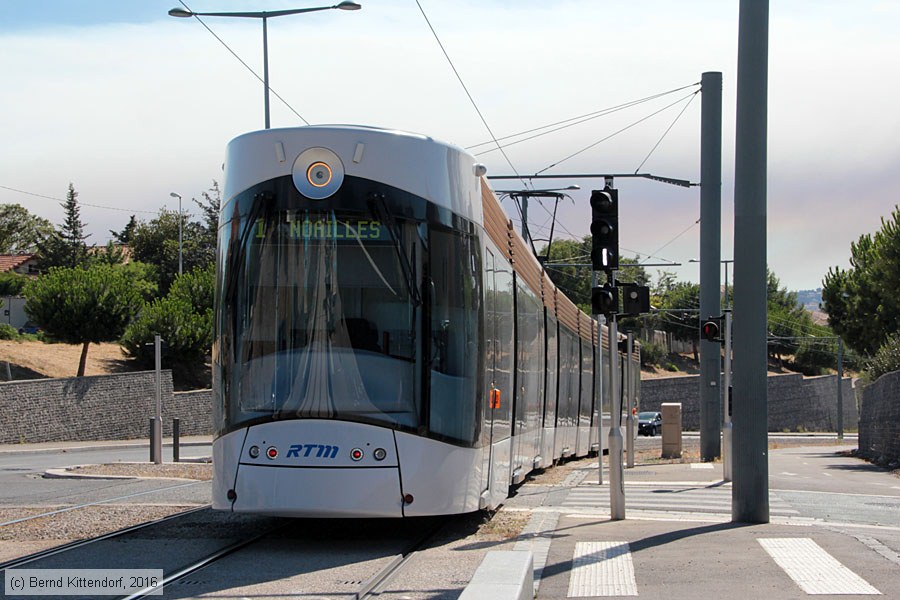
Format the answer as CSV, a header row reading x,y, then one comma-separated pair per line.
x,y
318,173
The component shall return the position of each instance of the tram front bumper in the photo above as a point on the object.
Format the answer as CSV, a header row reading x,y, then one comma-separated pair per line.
x,y
318,492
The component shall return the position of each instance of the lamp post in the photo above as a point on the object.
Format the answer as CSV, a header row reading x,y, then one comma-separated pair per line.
x,y
174,195
264,15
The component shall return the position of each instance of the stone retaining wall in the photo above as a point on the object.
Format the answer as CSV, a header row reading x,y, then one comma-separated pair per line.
x,y
103,407
879,420
795,403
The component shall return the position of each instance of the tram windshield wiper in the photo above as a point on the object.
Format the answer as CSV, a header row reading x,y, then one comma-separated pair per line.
x,y
379,204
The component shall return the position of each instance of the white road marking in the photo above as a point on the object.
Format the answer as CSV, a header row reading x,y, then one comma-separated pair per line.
x,y
827,474
813,569
602,569
701,466
788,473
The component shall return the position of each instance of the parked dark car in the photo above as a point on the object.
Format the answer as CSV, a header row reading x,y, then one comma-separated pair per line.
x,y
649,423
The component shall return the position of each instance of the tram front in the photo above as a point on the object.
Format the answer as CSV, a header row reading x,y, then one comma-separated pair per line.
x,y
347,321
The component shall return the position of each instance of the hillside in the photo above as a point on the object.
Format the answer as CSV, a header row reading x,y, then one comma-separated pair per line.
x,y
33,360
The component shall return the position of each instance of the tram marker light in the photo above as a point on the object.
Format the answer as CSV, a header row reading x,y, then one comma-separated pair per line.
x,y
605,229
380,454
356,454
254,452
272,452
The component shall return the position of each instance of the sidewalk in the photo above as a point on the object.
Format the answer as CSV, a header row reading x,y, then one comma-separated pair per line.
x,y
10,449
677,541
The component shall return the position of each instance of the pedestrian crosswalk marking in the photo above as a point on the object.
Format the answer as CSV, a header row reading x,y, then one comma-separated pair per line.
x,y
672,499
602,569
813,569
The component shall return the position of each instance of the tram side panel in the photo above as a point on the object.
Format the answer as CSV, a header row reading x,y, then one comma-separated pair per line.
x,y
597,411
548,438
529,380
500,371
586,399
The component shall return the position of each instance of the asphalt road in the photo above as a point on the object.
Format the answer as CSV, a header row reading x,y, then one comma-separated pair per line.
x,y
22,481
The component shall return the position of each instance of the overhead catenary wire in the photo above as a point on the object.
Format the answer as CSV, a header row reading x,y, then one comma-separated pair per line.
x,y
674,121
612,135
468,94
573,121
248,67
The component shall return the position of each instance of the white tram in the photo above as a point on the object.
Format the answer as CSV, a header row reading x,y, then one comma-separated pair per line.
x,y
386,345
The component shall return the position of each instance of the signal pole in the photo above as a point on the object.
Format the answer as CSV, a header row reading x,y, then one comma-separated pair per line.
x,y
710,255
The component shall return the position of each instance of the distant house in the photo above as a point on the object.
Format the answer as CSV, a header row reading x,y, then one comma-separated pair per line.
x,y
23,264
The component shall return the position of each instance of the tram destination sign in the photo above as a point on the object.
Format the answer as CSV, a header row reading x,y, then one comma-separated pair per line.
x,y
302,230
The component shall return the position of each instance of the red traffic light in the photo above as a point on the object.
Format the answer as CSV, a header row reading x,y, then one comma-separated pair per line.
x,y
710,331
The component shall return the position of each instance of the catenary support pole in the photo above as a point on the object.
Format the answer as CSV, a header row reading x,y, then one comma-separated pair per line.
x,y
710,255
750,489
727,428
616,472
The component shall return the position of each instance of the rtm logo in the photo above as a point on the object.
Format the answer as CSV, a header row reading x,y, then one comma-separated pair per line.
x,y
322,451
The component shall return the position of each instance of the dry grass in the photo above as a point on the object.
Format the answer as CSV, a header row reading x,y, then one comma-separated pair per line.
x,y
197,471
32,359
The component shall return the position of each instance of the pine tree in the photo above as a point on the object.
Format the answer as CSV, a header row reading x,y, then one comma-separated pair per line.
x,y
66,247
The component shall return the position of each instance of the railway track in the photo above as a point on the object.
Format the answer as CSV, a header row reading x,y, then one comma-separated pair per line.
x,y
34,557
243,552
365,555
100,502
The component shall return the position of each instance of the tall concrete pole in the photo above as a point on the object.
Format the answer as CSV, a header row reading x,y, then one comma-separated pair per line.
x,y
750,489
710,255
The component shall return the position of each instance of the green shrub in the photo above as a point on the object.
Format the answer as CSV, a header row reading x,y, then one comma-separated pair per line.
x,y
187,335
651,353
887,359
8,332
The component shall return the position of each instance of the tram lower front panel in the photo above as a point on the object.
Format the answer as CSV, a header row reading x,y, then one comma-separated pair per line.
x,y
325,468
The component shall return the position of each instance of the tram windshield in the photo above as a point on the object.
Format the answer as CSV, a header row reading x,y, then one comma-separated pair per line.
x,y
320,315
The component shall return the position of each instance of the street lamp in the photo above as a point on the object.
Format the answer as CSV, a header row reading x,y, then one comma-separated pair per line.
x,y
264,15
174,195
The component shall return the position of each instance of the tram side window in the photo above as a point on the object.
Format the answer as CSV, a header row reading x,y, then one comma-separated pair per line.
x,y
454,353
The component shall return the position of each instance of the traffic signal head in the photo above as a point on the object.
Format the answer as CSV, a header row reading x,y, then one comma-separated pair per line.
x,y
605,300
605,229
710,330
635,299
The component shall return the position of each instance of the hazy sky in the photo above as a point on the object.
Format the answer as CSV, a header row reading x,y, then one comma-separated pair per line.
x,y
130,104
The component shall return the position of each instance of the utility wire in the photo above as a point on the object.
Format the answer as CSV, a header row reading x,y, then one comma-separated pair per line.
x,y
666,133
466,89
626,128
80,203
578,120
234,54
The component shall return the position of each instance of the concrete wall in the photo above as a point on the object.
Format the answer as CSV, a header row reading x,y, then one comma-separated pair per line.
x,y
106,407
795,403
879,420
